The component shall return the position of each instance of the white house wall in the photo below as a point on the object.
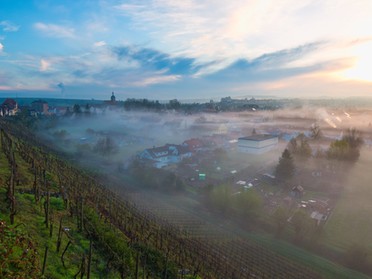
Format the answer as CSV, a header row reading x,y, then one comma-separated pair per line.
x,y
257,147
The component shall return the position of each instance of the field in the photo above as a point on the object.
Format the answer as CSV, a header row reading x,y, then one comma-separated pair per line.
x,y
350,222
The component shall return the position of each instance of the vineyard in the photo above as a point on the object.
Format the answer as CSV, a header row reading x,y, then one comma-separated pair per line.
x,y
185,244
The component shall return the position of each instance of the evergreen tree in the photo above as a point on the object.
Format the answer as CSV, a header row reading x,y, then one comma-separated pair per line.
x,y
292,146
304,149
300,147
285,169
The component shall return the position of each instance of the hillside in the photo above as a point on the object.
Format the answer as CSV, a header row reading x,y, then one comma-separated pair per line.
x,y
86,230
48,231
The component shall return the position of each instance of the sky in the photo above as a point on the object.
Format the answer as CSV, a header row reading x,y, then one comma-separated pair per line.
x,y
202,49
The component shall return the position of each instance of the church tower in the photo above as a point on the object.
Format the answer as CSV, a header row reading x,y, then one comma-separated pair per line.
x,y
113,99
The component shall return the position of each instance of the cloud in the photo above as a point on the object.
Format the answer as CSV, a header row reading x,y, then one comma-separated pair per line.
x,y
154,79
209,46
53,30
98,67
1,47
8,26
220,31
270,67
136,68
44,65
99,44
155,60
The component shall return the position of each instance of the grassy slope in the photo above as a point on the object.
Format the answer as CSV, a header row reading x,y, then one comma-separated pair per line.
x,y
31,215
349,223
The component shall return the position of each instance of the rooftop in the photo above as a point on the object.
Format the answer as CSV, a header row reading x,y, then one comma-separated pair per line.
x,y
258,137
10,103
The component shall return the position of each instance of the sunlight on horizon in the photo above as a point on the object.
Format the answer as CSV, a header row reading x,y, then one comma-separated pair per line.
x,y
362,68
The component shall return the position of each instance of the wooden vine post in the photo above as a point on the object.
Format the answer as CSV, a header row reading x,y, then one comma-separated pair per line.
x,y
89,258
45,260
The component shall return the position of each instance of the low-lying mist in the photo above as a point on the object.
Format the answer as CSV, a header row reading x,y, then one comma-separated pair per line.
x,y
219,185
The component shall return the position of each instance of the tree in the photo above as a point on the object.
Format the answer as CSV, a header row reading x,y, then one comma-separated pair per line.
x,y
304,150
87,108
285,169
292,146
339,150
174,104
280,216
61,134
76,109
249,203
300,221
83,148
68,112
299,146
173,183
354,138
316,132
105,146
348,148
24,118
220,198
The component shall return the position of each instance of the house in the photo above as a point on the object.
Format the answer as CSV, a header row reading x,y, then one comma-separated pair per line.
x,y
60,111
320,206
9,107
318,217
193,144
257,144
165,155
268,177
215,141
40,107
297,191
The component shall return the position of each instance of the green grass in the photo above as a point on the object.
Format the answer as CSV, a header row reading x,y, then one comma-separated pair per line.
x,y
31,216
349,223
30,220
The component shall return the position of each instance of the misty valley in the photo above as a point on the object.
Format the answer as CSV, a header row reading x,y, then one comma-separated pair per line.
x,y
218,194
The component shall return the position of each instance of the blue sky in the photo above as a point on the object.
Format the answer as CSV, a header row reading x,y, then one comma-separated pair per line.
x,y
163,49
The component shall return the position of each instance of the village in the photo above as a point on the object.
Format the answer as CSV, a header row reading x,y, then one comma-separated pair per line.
x,y
213,160
241,152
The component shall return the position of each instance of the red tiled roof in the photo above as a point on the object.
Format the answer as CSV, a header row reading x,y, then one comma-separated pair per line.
x,y
10,103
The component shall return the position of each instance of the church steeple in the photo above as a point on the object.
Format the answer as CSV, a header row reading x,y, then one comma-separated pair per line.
x,y
113,99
